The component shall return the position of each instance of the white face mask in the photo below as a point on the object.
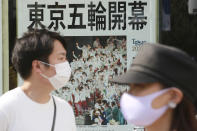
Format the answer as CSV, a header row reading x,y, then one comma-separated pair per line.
x,y
138,110
62,76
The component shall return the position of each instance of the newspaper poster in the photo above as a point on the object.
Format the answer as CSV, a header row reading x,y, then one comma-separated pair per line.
x,y
103,38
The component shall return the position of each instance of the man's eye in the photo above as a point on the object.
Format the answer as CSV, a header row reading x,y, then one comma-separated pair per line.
x,y
62,58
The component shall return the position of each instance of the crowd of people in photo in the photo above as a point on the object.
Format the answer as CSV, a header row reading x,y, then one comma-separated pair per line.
x,y
94,99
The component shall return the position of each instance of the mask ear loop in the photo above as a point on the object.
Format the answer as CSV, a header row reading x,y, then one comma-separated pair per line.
x,y
47,63
44,76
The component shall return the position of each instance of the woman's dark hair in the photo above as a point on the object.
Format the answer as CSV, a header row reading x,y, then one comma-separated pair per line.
x,y
36,44
184,116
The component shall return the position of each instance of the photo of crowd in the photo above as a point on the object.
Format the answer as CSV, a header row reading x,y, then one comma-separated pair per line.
x,y
95,100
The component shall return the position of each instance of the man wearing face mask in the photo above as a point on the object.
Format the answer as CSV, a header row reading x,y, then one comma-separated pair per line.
x,y
40,59
162,95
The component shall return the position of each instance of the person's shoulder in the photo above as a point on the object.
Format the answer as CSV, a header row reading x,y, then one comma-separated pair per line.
x,y
10,95
9,99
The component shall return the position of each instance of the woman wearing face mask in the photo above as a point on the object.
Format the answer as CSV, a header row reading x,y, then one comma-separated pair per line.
x,y
162,95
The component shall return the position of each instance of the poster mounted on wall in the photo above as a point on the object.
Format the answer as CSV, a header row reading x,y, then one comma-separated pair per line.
x,y
103,38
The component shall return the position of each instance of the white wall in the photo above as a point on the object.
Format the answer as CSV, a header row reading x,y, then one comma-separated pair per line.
x,y
1,53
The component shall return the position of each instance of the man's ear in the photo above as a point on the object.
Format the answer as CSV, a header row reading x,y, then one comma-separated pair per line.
x,y
36,66
176,95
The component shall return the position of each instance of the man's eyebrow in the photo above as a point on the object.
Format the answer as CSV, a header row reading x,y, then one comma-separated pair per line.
x,y
62,53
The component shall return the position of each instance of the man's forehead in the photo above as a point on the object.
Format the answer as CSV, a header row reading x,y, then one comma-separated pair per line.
x,y
58,46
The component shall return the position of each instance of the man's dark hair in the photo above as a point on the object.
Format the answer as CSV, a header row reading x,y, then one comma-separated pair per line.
x,y
36,44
